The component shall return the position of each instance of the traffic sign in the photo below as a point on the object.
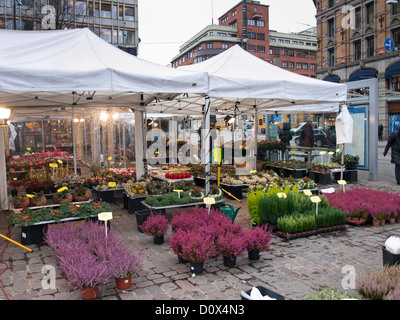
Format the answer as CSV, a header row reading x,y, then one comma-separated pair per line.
x,y
389,44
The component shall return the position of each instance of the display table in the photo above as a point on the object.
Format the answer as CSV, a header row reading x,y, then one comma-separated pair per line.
x,y
235,190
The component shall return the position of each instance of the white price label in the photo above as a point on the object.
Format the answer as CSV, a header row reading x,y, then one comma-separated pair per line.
x,y
209,200
105,216
315,199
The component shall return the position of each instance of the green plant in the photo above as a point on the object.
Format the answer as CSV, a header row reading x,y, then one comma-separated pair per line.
x,y
296,223
253,203
327,294
273,207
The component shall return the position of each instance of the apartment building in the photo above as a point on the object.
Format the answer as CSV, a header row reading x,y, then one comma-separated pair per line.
x,y
114,21
360,39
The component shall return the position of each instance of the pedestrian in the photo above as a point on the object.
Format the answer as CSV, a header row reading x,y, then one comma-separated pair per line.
x,y
307,135
380,132
285,134
331,137
394,144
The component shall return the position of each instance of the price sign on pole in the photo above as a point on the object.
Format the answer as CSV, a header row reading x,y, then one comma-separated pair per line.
x,y
105,216
316,200
209,201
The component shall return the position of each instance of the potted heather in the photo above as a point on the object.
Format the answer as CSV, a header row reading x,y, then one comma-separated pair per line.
x,y
257,240
156,225
230,244
197,246
123,264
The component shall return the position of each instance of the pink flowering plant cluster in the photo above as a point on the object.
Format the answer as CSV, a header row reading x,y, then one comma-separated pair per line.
x,y
199,235
364,202
87,257
38,160
258,239
156,225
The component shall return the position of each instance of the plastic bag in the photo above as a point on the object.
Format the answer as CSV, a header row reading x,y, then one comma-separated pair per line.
x,y
392,245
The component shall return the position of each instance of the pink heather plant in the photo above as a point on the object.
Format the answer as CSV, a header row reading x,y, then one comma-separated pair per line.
x,y
258,239
156,225
230,244
196,247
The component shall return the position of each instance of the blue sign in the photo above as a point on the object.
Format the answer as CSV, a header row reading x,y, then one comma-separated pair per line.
x,y
389,44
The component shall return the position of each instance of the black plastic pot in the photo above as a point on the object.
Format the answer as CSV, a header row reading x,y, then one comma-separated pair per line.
x,y
196,267
32,234
389,259
158,240
229,261
254,255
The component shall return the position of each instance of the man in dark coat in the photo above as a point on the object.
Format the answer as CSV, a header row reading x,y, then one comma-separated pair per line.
x,y
380,132
394,143
307,135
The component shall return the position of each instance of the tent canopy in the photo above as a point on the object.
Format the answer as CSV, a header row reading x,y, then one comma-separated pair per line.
x,y
238,78
77,68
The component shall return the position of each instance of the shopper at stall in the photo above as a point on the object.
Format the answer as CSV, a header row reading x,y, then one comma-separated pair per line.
x,y
307,135
394,144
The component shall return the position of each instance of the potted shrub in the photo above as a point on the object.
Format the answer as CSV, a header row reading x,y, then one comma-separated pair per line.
x,y
230,245
257,240
197,247
156,225
123,264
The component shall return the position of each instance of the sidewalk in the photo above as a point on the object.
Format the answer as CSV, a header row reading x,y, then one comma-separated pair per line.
x,y
291,268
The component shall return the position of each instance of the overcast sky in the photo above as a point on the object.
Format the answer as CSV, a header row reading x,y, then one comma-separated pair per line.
x,y
164,25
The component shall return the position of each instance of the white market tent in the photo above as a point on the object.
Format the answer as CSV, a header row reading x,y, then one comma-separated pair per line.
x,y
49,73
238,78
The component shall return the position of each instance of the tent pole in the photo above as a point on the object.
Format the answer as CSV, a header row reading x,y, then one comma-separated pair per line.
x,y
255,136
3,175
206,144
74,138
139,147
123,138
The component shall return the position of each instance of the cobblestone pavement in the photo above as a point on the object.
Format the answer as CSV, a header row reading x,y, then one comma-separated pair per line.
x,y
291,268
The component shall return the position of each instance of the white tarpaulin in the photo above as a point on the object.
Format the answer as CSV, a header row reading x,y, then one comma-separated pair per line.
x,y
76,67
238,78
344,126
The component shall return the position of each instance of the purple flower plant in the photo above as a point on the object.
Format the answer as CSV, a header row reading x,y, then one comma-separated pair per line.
x,y
87,257
258,239
231,244
156,225
196,246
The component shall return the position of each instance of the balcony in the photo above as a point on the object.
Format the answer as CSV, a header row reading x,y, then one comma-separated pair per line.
x,y
208,52
257,15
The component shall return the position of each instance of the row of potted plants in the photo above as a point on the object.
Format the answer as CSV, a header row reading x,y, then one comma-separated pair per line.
x,y
88,258
200,235
37,160
364,205
28,217
77,194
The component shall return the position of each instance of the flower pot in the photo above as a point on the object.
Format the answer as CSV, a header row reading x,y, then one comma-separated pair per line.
x,y
123,283
389,258
158,239
181,260
382,222
376,223
229,261
196,267
392,220
90,293
254,254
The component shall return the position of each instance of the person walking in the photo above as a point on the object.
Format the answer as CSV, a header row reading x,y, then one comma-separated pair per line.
x,y
394,144
307,135
380,132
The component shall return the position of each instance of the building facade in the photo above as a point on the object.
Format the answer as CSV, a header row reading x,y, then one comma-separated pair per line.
x,y
360,39
114,21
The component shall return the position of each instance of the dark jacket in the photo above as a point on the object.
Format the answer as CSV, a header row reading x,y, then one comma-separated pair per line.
x,y
307,136
394,143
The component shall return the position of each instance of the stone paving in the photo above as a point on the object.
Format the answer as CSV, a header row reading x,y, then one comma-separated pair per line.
x,y
291,268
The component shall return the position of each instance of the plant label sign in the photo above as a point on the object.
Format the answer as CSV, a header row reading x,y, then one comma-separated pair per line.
x,y
53,165
179,193
307,192
112,184
315,199
62,189
209,200
281,195
105,216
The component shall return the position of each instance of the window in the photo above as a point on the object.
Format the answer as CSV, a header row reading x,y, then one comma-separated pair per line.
x,y
251,48
295,42
305,54
291,65
272,40
221,34
115,36
305,66
260,36
312,66
299,65
251,22
284,64
284,52
357,50
260,48
357,22
209,45
224,46
395,10
277,51
105,34
80,7
331,3
291,53
396,38
251,35
331,57
129,13
280,41
313,55
370,47
106,11
287,41
129,37
331,27
370,13
261,23
299,54
233,13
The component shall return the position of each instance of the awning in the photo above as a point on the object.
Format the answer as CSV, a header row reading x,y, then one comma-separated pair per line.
x,y
335,79
393,71
363,74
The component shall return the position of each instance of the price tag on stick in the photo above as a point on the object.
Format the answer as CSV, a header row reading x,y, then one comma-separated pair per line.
x,y
105,216
209,201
